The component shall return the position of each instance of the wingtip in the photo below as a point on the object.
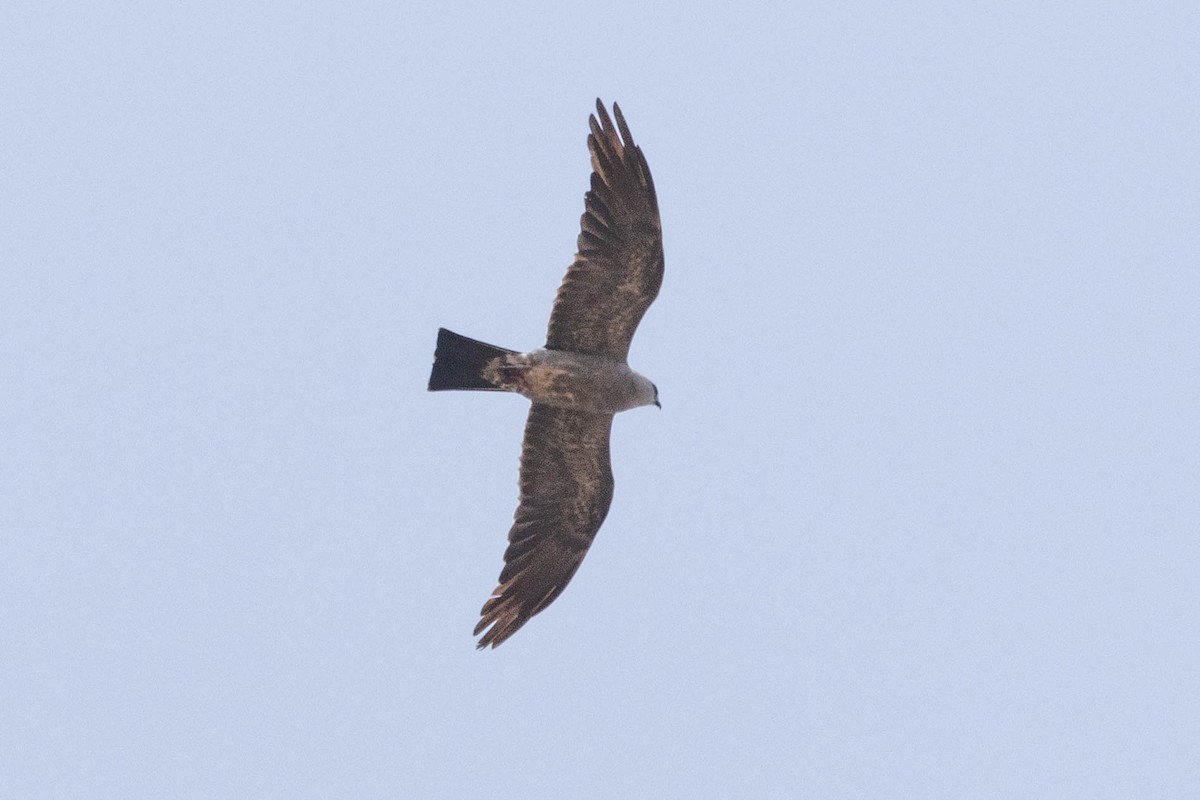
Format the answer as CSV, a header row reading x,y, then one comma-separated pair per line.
x,y
602,108
493,636
490,625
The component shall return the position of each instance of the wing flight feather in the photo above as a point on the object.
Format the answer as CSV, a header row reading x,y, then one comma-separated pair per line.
x,y
618,268
566,488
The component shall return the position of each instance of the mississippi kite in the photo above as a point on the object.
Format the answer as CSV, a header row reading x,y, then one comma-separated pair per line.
x,y
577,382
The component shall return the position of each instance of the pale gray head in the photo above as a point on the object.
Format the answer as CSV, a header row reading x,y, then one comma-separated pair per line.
x,y
644,393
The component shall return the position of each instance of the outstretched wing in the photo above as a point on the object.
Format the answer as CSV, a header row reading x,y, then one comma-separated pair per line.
x,y
619,267
566,488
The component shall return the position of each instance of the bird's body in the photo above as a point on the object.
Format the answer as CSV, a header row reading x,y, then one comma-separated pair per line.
x,y
577,382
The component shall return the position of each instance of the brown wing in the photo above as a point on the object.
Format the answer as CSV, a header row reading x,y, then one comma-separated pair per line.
x,y
566,488
619,267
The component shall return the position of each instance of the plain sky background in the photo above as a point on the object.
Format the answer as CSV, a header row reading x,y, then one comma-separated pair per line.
x,y
919,517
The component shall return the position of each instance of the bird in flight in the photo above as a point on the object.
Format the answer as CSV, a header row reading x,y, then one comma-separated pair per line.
x,y
577,382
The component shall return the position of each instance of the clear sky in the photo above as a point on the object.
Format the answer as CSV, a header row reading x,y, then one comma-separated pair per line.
x,y
919,517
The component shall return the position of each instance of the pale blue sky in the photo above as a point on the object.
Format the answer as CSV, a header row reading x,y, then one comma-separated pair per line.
x,y
919,517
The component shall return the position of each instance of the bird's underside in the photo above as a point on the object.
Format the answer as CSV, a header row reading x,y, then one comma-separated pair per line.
x,y
577,382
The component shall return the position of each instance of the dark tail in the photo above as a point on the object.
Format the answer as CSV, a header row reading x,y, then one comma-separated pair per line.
x,y
458,362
